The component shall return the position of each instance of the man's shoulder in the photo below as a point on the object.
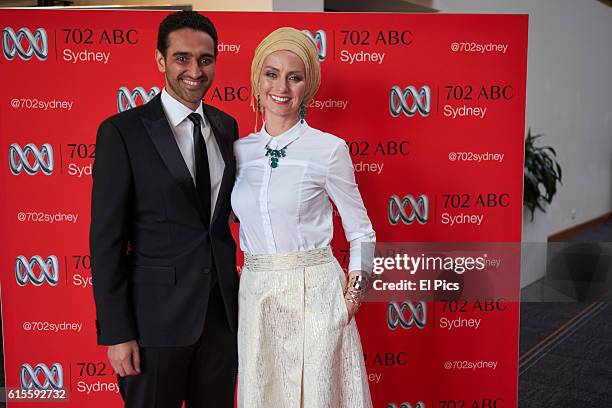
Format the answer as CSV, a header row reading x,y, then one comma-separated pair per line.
x,y
216,111
128,116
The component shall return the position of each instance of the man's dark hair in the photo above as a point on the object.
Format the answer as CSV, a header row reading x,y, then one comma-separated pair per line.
x,y
184,19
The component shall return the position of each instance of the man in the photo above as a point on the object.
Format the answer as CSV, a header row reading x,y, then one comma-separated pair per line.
x,y
162,180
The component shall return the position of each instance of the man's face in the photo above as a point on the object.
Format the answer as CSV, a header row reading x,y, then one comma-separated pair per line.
x,y
189,65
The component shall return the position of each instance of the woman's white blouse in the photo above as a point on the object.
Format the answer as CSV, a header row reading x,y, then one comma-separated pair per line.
x,y
287,208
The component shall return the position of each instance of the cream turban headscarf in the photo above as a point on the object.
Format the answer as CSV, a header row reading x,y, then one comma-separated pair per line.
x,y
287,39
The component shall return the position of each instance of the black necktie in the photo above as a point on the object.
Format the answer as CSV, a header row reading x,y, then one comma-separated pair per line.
x,y
202,172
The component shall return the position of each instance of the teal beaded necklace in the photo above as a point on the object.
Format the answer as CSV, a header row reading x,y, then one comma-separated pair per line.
x,y
274,155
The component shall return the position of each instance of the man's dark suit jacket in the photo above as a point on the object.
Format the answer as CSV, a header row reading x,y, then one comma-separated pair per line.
x,y
144,193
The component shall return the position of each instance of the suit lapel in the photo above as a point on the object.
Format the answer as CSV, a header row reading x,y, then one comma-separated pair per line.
x,y
219,132
162,137
224,142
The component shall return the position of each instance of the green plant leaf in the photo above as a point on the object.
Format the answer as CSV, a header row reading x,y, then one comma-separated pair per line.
x,y
541,169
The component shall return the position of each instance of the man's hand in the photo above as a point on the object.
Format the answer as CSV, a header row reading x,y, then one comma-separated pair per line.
x,y
125,358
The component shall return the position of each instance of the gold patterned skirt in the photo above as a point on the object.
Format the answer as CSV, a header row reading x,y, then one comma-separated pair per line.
x,y
295,348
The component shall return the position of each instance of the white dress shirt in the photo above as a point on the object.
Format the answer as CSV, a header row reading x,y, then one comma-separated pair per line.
x,y
182,128
288,208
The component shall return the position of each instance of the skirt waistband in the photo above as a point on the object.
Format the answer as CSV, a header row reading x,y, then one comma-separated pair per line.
x,y
288,260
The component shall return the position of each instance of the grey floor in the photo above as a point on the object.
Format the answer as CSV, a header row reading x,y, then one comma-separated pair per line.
x,y
566,346
575,373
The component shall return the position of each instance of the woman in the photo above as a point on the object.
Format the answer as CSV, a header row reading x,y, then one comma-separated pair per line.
x,y
298,345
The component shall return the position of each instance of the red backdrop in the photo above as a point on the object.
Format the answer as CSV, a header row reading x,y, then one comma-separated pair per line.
x,y
430,105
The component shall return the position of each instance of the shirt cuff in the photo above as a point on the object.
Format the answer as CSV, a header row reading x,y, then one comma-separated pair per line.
x,y
362,253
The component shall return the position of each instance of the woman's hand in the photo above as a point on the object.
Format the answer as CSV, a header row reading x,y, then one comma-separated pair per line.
x,y
356,286
351,309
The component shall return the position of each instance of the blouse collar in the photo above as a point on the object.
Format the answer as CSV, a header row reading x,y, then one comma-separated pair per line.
x,y
288,136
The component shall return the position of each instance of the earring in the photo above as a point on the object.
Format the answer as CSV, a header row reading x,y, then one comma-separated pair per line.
x,y
258,104
302,111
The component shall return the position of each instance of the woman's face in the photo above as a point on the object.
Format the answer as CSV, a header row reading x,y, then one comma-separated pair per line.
x,y
282,84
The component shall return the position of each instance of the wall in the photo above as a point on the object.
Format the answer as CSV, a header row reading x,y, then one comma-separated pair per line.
x,y
211,5
297,5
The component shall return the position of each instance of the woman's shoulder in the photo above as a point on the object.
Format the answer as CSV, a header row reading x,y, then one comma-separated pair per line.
x,y
325,139
243,141
246,148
